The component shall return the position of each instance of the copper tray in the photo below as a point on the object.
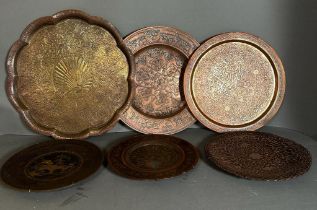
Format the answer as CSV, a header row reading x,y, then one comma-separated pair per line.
x,y
68,75
152,157
255,155
51,165
234,81
161,54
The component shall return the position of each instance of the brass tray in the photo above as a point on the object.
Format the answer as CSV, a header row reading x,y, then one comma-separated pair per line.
x,y
51,165
234,81
255,155
152,157
68,75
161,54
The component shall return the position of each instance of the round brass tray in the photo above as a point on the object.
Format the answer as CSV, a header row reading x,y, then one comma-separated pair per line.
x,y
69,75
255,155
234,81
152,157
159,106
51,165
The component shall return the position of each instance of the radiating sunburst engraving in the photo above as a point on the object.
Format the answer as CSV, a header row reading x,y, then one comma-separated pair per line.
x,y
71,75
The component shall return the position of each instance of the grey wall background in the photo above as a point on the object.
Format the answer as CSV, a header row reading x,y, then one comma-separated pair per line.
x,y
290,26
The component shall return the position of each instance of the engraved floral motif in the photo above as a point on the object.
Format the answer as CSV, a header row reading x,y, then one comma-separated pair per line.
x,y
158,91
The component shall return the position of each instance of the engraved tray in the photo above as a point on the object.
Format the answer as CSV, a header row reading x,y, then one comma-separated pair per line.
x,y
51,165
152,157
161,54
69,75
234,81
255,155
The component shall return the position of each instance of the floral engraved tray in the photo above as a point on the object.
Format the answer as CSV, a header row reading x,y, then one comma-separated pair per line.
x,y
234,81
161,54
69,75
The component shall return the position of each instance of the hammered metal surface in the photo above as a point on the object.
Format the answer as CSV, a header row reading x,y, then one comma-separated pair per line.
x,y
51,165
152,157
255,155
234,81
161,54
69,78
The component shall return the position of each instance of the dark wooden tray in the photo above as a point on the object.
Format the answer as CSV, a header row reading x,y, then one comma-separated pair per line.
x,y
51,165
255,155
152,157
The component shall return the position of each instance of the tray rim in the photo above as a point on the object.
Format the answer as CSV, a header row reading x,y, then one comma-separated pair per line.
x,y
23,41
280,81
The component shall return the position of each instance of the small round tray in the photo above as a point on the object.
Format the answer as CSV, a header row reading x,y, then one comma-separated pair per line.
x,y
152,157
234,81
261,156
51,165
159,106
68,75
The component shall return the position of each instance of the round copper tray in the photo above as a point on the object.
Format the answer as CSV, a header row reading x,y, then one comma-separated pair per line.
x,y
152,157
68,75
255,155
51,165
234,81
161,54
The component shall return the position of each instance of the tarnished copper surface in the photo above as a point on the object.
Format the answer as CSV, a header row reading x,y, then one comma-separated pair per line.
x,y
161,54
51,165
68,75
255,155
234,81
152,157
